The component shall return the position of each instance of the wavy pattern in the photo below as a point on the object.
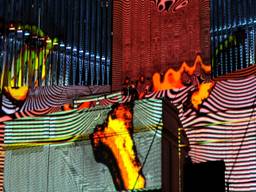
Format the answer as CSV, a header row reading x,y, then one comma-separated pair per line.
x,y
40,101
170,5
67,125
104,100
239,74
7,106
223,129
45,100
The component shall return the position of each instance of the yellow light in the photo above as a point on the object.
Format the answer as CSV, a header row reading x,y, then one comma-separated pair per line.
x,y
117,137
19,94
48,41
203,92
173,79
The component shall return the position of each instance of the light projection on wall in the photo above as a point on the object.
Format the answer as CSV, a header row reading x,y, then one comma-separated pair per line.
x,y
16,94
173,79
228,23
114,146
29,63
123,142
170,5
236,39
198,74
81,56
201,94
19,103
218,117
222,127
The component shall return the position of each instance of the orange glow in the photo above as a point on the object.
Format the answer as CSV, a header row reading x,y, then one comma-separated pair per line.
x,y
5,118
19,94
172,78
67,107
36,84
84,105
116,136
201,94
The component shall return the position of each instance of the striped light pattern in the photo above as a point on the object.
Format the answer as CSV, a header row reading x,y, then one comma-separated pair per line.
x,y
40,101
45,100
57,126
229,17
223,129
68,124
104,100
82,54
170,5
53,137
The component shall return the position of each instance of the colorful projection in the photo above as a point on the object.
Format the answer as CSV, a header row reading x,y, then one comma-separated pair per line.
x,y
114,139
23,102
80,56
201,94
222,128
17,94
232,49
28,66
172,79
232,41
120,136
170,5
19,103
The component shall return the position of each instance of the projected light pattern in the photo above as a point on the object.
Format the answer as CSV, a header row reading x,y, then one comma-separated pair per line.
x,y
17,94
223,128
39,61
56,127
170,5
65,43
232,35
240,74
63,123
174,79
201,94
114,139
233,41
67,129
220,125
25,61
39,101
